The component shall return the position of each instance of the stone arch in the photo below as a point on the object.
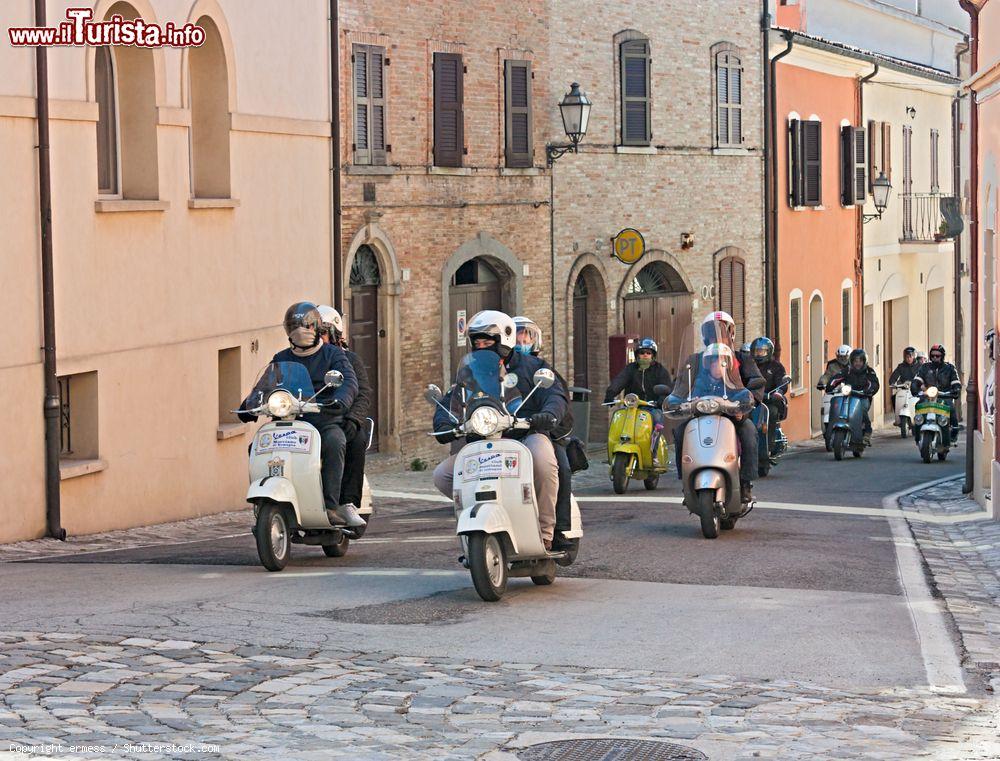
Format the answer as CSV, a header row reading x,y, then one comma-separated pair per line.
x,y
653,255
894,287
389,349
142,9
487,247
580,263
211,9
591,271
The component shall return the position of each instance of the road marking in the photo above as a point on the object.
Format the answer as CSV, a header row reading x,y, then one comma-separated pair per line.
x,y
944,672
411,540
846,510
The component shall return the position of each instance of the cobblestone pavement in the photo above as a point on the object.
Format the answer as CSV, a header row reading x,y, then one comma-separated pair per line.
x,y
65,690
964,559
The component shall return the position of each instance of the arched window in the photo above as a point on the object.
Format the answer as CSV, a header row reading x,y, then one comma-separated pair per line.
x,y
209,81
727,86
107,122
364,269
655,278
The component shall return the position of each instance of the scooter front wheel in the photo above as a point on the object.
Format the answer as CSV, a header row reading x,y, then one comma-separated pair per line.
x,y
619,472
710,521
902,428
488,564
272,534
838,444
926,446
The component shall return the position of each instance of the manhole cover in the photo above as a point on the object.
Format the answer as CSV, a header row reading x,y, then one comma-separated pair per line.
x,y
609,749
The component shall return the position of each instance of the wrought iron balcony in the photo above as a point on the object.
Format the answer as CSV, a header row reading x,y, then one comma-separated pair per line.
x,y
922,217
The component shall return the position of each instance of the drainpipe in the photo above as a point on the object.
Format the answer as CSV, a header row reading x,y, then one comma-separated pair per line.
x,y
338,251
771,180
765,26
859,265
52,406
956,183
972,387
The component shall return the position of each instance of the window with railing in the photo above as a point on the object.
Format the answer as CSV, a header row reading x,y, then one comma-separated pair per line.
x,y
922,217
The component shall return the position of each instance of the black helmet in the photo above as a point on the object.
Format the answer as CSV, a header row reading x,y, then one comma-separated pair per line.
x,y
646,343
859,354
910,350
304,315
762,350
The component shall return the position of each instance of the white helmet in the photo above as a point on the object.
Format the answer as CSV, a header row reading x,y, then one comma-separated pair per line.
x,y
718,326
493,324
331,319
530,327
843,351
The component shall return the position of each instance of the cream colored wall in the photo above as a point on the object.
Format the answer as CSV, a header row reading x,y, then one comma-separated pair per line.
x,y
148,298
892,269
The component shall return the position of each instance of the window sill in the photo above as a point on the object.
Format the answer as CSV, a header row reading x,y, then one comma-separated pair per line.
x,y
641,150
799,391
127,204
730,151
230,430
809,208
369,169
213,203
520,171
456,171
76,468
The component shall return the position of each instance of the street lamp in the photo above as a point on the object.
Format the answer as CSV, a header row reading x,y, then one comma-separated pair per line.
x,y
575,111
880,195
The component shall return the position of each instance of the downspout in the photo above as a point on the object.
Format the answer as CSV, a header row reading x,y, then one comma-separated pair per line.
x,y
956,183
772,199
859,265
338,251
552,259
972,387
765,26
52,405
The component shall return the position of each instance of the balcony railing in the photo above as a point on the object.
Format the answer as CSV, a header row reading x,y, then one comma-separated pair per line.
x,y
922,218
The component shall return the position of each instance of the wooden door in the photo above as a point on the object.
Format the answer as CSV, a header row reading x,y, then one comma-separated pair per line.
x,y
581,332
363,334
464,301
666,319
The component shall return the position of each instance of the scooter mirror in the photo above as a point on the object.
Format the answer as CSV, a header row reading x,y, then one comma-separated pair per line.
x,y
660,390
433,394
787,379
333,378
544,377
510,380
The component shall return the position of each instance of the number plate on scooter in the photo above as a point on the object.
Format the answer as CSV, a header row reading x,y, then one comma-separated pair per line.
x,y
491,465
285,441
276,468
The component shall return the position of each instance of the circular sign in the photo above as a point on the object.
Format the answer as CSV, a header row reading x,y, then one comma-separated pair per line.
x,y
628,246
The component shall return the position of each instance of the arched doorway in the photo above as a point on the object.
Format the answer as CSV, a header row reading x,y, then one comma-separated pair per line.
x,y
590,343
476,285
657,303
363,330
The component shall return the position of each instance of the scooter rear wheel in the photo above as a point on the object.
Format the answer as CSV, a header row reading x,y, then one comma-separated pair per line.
x,y
337,550
488,565
651,482
619,472
710,521
943,455
902,428
273,538
544,579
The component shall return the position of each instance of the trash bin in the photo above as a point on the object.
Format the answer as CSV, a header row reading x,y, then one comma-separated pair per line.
x,y
579,399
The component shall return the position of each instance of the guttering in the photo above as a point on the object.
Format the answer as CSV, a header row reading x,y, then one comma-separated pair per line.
x,y
52,406
338,249
972,388
859,265
771,190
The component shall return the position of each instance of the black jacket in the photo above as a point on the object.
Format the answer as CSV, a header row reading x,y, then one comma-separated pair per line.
x,y
904,373
554,400
774,373
944,377
864,381
362,406
633,380
753,379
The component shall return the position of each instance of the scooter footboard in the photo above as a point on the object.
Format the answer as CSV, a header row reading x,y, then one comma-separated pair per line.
x,y
489,518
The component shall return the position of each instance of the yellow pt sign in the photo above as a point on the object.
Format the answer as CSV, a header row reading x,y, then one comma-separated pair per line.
x,y
628,246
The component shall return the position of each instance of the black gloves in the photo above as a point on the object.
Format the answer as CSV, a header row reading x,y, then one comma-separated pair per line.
x,y
350,427
336,407
246,417
543,422
445,435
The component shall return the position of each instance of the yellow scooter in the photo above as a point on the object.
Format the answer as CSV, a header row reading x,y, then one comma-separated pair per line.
x,y
630,444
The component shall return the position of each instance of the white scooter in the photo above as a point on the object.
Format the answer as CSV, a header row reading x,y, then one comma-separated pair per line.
x,y
906,404
494,492
286,483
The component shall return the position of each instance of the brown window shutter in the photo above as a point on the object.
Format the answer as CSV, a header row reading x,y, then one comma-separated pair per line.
x,y
517,117
635,93
812,160
907,159
796,171
729,99
726,284
449,133
935,184
847,166
860,166
732,297
376,95
887,150
872,150
107,137
362,106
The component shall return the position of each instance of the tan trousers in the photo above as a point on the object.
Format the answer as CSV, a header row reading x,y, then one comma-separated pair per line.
x,y
546,471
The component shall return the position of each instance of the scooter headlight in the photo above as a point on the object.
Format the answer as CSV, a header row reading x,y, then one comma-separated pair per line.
x,y
846,390
707,406
918,419
631,400
932,392
280,404
484,421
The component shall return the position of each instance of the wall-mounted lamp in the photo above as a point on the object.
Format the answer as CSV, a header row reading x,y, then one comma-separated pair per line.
x,y
911,111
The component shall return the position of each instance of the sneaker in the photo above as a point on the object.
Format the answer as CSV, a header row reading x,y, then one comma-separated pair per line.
x,y
561,543
867,439
548,544
347,513
746,493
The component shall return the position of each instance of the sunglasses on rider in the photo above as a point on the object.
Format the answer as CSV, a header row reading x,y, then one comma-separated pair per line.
x,y
645,352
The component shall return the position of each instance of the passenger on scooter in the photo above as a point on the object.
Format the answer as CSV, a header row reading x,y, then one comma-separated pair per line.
x,y
495,331
906,370
355,422
303,325
840,363
862,379
529,341
719,328
762,350
640,378
944,376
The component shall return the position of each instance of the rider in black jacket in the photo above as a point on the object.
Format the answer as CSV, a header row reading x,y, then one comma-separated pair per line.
x,y
863,379
640,378
943,375
906,370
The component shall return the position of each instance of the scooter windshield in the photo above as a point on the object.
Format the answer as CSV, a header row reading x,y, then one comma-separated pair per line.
x,y
713,372
290,376
480,374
